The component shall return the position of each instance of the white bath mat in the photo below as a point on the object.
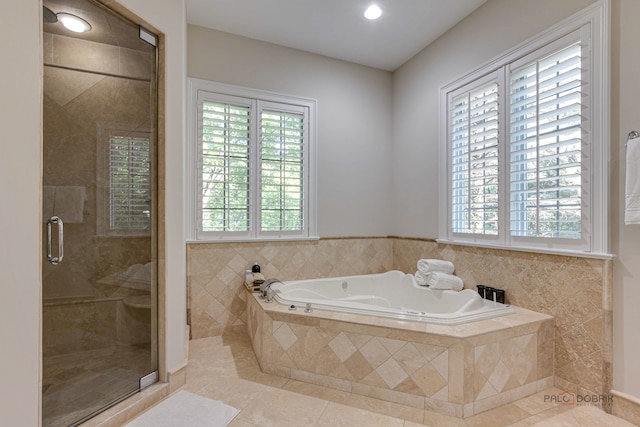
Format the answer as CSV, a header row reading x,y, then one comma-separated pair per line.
x,y
185,409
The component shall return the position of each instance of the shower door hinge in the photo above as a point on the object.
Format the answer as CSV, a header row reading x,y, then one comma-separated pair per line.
x,y
148,380
149,37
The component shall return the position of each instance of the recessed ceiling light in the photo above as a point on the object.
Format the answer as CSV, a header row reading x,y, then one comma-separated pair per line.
x,y
373,12
73,23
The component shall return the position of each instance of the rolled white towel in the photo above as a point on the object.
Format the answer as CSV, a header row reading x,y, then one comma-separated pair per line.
x,y
440,280
421,279
426,266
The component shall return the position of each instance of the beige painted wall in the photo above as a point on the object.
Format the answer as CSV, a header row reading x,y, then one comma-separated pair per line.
x,y
354,120
625,239
20,159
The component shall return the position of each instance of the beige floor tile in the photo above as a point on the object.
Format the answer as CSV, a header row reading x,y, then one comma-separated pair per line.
x,y
527,422
498,417
329,394
235,392
337,415
240,423
283,408
589,416
553,412
386,408
225,369
538,402
584,416
434,419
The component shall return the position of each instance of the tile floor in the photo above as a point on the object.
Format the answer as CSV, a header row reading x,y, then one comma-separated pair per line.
x,y
75,385
225,369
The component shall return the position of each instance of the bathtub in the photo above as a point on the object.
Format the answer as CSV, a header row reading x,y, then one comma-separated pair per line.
x,y
431,361
392,294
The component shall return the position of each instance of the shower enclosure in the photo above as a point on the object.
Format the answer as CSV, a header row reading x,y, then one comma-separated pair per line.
x,y
99,223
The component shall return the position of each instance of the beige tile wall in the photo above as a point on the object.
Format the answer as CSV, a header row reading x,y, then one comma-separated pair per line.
x,y
216,272
574,290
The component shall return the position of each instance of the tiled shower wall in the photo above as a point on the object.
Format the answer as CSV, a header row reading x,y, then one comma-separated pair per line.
x,y
82,78
576,291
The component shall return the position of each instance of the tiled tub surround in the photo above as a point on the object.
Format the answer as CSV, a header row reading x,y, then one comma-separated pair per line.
x,y
575,291
215,273
458,370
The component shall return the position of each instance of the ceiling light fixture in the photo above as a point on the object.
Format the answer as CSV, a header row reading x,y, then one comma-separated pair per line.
x,y
373,12
73,23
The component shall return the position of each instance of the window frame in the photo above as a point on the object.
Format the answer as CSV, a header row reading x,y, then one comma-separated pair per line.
x,y
107,131
259,99
593,19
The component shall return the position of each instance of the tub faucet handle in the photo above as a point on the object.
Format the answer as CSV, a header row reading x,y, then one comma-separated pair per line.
x,y
308,309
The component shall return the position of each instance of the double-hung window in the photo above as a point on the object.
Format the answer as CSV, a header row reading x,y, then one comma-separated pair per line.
x,y
253,165
525,144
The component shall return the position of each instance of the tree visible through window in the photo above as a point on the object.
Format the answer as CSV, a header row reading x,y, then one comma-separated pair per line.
x,y
474,161
526,140
253,161
546,146
282,171
225,162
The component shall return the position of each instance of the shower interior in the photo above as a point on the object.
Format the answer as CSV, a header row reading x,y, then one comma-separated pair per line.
x,y
99,176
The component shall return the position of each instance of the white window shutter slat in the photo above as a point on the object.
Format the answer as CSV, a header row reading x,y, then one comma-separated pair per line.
x,y
129,183
224,167
282,171
546,146
473,131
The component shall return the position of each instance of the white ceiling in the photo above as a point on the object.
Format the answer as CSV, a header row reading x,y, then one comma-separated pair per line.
x,y
337,28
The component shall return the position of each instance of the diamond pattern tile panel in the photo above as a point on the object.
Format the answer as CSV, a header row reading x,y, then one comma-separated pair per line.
x,y
568,288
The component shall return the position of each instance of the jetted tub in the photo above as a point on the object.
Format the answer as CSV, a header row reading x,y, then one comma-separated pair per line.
x,y
391,294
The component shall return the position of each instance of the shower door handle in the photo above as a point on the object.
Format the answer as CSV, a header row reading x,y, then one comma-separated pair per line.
x,y
52,259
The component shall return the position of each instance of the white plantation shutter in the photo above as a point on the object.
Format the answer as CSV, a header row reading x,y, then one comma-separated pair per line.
x,y
129,184
224,158
253,163
473,121
527,145
282,170
546,144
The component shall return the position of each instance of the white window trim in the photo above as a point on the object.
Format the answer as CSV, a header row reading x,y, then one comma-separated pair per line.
x,y
597,17
195,86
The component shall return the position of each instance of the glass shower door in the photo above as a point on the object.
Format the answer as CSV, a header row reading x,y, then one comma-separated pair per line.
x,y
99,212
